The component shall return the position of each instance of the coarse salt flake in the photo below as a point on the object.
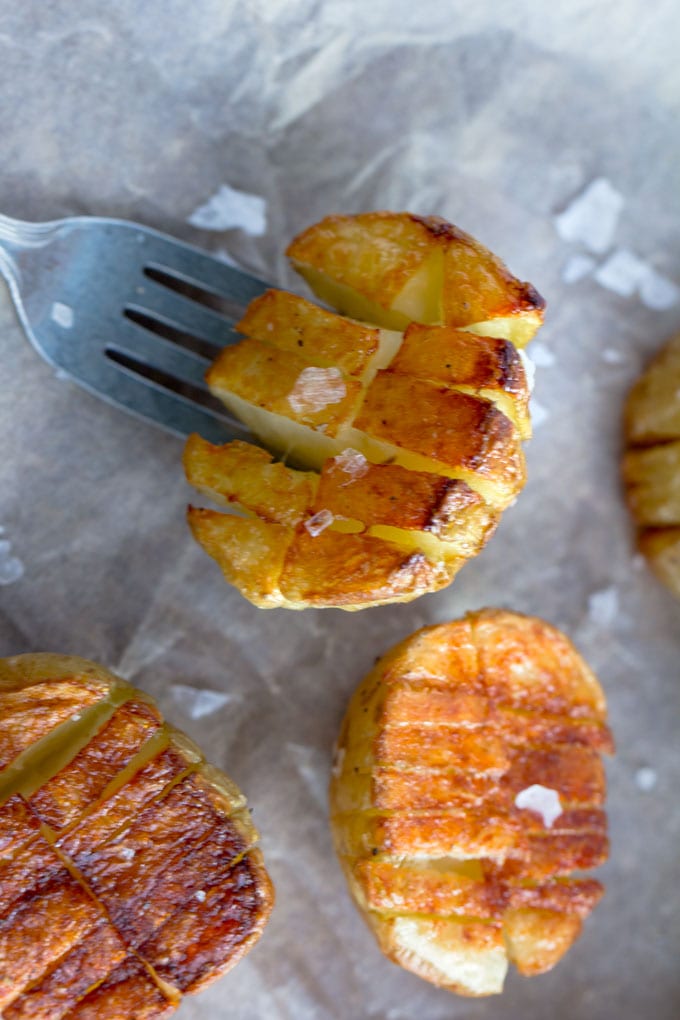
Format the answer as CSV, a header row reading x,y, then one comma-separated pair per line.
x,y
319,522
577,268
11,567
645,779
592,217
352,462
539,413
316,388
229,209
541,799
200,895
603,606
625,273
529,367
541,355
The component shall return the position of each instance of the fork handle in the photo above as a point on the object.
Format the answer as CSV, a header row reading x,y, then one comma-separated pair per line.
x,y
18,235
16,238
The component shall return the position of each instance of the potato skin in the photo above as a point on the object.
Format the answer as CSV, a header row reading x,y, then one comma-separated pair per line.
x,y
651,464
124,854
453,876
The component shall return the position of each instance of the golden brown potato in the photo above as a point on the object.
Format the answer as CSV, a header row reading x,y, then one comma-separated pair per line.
x,y
651,465
358,534
415,439
395,268
457,831
125,858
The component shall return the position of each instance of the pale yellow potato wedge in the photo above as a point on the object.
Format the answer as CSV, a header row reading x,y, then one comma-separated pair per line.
x,y
396,268
129,870
455,870
651,463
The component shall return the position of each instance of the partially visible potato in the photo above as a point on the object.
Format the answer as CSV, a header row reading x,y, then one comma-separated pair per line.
x,y
129,870
395,268
651,465
467,787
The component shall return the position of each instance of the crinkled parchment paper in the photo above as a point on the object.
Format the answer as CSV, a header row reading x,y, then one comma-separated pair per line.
x,y
506,117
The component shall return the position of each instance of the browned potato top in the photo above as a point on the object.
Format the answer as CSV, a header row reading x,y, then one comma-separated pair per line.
x,y
467,788
129,871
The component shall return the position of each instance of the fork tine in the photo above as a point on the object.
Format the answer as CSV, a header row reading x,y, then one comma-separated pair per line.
x,y
156,352
183,313
203,270
147,399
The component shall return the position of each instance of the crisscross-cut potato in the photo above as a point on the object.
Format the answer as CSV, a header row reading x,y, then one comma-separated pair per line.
x,y
129,870
651,465
395,268
457,830
411,441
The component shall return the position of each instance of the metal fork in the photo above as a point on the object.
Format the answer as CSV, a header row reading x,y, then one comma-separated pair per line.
x,y
132,315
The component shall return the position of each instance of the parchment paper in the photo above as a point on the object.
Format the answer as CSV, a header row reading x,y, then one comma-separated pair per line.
x,y
497,115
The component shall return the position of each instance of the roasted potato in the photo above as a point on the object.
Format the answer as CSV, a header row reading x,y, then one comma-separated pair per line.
x,y
396,268
129,870
436,413
467,787
651,464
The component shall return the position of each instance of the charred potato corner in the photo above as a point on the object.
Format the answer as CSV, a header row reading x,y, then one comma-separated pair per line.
x,y
399,423
129,868
467,789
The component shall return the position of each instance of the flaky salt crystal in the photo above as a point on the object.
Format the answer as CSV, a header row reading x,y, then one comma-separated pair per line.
x,y
645,779
230,208
577,267
315,388
603,606
529,369
541,355
539,413
592,217
11,567
352,462
319,522
541,799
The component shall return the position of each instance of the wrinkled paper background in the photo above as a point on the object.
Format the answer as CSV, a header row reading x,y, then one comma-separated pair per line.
x,y
497,115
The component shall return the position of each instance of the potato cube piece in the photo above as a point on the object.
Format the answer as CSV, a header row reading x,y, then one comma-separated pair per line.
x,y
251,553
449,432
284,383
293,324
482,366
246,474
